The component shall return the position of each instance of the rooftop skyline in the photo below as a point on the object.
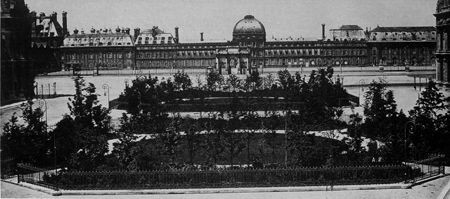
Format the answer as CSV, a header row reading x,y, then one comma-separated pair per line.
x,y
216,18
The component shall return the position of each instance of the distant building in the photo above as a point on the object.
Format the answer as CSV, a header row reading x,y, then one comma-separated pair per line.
x,y
17,69
47,36
347,33
249,49
30,46
443,43
98,49
412,46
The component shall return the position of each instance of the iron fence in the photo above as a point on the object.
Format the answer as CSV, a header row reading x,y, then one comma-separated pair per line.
x,y
429,167
228,178
234,178
35,175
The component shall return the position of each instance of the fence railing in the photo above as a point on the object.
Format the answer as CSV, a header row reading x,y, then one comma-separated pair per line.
x,y
35,175
429,167
228,178
234,178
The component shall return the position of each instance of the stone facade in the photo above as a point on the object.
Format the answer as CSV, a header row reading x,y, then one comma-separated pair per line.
x,y
347,33
17,66
47,35
249,49
443,43
99,49
402,46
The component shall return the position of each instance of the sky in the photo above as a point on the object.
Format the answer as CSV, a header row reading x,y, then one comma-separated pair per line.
x,y
216,18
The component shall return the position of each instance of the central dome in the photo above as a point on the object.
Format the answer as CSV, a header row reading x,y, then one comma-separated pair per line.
x,y
249,28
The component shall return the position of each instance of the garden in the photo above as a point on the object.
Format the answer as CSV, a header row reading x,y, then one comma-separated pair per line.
x,y
256,131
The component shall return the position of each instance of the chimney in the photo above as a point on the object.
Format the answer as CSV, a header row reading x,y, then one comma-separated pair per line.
x,y
54,16
177,38
323,32
41,17
201,36
137,31
33,24
64,23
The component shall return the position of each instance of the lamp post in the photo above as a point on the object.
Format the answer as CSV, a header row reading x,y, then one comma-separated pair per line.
x,y
43,104
106,88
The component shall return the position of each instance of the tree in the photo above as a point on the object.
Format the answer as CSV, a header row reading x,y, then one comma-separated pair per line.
x,y
90,123
379,109
253,81
284,77
430,122
171,140
213,80
123,149
27,142
268,81
383,122
182,81
234,82
354,131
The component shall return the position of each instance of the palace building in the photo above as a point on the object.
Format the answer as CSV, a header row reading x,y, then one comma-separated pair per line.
x,y
405,46
98,49
30,46
248,50
443,43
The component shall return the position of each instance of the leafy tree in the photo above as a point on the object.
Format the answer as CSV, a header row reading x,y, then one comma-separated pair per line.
x,y
28,142
123,149
90,123
253,81
355,133
383,122
182,81
171,139
213,80
234,82
268,81
284,77
430,122
146,155
379,109
66,140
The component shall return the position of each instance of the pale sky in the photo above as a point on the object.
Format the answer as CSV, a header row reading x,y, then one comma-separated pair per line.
x,y
216,18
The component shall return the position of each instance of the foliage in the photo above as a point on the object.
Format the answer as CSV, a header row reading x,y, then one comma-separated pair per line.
x,y
253,81
234,82
430,123
124,147
182,81
27,142
383,122
88,128
213,80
